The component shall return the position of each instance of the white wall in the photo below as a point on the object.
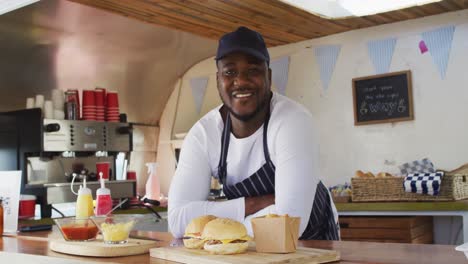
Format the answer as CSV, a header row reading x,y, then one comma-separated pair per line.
x,y
166,156
439,130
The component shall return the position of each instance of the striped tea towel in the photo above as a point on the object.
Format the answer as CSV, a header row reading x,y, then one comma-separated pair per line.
x,y
417,166
423,183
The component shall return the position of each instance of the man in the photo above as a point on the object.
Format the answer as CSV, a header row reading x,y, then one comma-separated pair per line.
x,y
260,145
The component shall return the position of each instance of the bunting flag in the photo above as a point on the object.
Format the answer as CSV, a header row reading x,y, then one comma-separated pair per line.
x,y
381,53
198,85
326,57
422,47
439,42
280,71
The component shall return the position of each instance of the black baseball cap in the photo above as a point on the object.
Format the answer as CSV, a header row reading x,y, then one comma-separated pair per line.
x,y
243,40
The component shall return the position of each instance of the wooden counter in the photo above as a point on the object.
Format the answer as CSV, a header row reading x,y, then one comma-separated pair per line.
x,y
351,252
403,206
455,208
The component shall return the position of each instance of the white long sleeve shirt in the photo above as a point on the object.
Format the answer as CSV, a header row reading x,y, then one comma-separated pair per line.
x,y
293,147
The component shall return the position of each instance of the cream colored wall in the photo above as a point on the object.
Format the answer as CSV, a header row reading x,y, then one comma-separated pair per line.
x,y
166,156
438,130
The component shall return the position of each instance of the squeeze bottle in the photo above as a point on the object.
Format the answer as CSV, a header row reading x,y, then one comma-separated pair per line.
x,y
84,202
153,189
103,200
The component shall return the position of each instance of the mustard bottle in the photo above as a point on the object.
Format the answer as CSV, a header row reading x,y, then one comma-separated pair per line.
x,y
84,202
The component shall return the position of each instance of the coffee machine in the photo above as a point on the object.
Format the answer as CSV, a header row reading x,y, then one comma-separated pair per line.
x,y
49,152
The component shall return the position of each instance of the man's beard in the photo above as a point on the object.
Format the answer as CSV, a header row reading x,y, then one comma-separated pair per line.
x,y
248,117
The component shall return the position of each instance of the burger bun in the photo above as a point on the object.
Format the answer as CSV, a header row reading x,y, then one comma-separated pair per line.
x,y
227,249
224,233
192,237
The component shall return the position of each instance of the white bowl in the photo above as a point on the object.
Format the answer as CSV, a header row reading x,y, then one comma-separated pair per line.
x,y
463,248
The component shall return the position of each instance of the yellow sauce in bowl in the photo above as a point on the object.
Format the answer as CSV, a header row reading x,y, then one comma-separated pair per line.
x,y
117,232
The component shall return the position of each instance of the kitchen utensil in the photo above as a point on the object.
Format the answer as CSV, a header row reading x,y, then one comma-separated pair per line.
x,y
117,206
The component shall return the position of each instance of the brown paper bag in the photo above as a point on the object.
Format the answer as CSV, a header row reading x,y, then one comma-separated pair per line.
x,y
276,234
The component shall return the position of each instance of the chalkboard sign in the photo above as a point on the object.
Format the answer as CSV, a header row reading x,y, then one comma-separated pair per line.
x,y
382,98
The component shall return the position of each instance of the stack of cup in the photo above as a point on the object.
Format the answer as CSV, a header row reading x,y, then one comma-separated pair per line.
x,y
112,107
89,105
72,104
39,102
100,95
48,109
58,102
30,103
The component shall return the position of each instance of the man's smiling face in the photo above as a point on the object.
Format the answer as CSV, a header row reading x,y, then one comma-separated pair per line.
x,y
244,84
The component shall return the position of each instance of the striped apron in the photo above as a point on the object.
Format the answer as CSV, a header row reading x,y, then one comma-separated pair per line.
x,y
321,225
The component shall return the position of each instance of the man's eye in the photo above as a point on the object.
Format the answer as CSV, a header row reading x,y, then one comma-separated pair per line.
x,y
229,73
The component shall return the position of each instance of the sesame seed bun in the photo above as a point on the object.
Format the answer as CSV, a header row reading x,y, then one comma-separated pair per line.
x,y
193,231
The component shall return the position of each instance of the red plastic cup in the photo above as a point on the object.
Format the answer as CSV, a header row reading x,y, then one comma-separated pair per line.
x,y
112,99
131,175
99,97
27,206
104,93
103,167
88,98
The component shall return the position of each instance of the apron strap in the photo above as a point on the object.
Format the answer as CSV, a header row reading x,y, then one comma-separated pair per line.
x,y
225,137
222,165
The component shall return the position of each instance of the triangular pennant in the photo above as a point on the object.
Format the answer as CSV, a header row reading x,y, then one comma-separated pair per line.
x,y
381,53
280,72
198,91
326,57
439,42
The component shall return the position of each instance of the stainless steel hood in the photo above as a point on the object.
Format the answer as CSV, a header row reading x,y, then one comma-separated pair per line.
x,y
65,45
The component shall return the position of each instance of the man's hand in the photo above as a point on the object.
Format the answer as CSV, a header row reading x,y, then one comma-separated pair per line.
x,y
257,203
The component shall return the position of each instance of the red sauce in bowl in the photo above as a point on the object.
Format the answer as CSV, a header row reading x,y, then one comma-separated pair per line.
x,y
79,232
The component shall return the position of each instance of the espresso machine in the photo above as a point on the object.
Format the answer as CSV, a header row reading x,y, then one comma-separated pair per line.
x,y
49,152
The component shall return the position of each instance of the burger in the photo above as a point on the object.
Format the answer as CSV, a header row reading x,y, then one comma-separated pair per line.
x,y
225,236
193,231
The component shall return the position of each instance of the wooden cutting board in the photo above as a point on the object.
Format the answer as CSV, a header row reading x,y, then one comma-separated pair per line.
x,y
98,248
196,256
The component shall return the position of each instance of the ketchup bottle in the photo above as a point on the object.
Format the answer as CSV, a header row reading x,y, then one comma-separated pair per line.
x,y
103,200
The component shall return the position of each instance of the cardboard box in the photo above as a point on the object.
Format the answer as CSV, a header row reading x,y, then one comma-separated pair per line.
x,y
276,234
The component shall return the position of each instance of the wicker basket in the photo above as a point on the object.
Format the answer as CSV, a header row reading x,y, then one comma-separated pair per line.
x,y
453,187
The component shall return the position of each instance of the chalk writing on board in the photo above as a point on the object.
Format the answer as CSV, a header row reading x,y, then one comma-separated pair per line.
x,y
382,98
